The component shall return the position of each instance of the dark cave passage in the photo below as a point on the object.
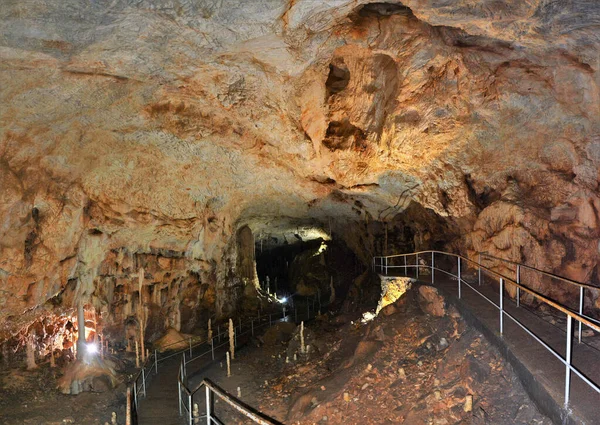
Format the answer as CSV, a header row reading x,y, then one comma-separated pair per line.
x,y
323,270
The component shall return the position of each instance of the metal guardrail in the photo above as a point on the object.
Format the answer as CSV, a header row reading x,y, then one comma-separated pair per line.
x,y
384,264
519,267
140,383
211,390
186,394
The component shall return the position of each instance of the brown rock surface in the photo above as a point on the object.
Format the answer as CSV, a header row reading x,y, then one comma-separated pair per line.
x,y
145,134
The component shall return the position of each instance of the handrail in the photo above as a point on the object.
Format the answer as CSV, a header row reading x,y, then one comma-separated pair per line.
x,y
552,275
535,294
232,401
211,388
238,331
567,360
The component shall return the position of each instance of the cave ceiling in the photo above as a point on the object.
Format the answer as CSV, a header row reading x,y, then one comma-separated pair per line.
x,y
147,125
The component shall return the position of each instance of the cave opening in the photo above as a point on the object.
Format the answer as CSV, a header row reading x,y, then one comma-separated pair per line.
x,y
321,269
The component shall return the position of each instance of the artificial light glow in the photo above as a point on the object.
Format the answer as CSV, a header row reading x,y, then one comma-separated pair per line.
x,y
283,300
92,348
322,249
367,317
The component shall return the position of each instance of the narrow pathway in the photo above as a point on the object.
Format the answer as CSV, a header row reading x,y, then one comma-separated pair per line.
x,y
160,406
540,371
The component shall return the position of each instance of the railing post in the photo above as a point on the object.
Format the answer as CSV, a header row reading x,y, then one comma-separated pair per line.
x,y
459,280
580,309
501,306
417,264
432,266
219,333
405,266
208,407
479,266
212,347
144,381
386,265
135,403
568,359
155,361
190,407
518,283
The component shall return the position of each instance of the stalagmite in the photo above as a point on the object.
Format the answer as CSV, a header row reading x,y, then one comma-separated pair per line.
x,y
332,290
231,340
142,312
228,365
468,403
5,354
137,354
196,413
31,352
52,363
302,348
81,331
113,418
239,392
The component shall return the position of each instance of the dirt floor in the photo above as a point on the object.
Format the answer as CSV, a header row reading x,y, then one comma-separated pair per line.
x,y
32,397
407,366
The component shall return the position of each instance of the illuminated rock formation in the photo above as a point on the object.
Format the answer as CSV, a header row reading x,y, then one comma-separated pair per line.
x,y
146,134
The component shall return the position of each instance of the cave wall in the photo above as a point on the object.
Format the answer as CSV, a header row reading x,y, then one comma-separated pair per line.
x,y
147,127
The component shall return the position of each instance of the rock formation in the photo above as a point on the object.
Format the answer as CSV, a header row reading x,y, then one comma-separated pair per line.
x,y
146,134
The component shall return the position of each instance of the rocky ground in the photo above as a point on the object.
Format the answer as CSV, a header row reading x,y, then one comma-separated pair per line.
x,y
32,397
414,364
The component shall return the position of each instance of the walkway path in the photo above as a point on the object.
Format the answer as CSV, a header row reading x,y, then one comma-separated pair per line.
x,y
160,406
543,374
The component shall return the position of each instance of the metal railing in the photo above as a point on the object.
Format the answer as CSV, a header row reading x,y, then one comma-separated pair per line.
x,y
142,379
186,396
518,277
209,416
386,263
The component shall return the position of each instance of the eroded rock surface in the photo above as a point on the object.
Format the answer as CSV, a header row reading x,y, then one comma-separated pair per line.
x,y
146,134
